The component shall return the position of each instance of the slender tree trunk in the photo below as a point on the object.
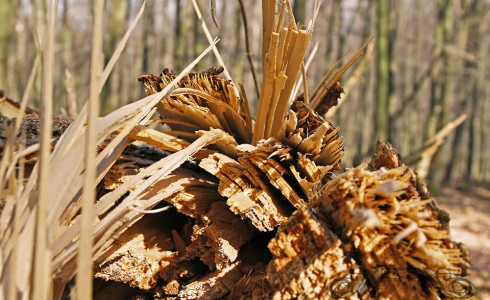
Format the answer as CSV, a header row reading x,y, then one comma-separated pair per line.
x,y
5,38
330,35
393,17
148,38
382,70
181,27
197,31
20,63
66,53
484,87
478,128
443,83
339,24
238,66
299,10
365,131
39,15
125,81
111,94
468,25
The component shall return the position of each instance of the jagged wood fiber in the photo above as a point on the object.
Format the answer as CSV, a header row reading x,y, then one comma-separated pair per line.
x,y
263,212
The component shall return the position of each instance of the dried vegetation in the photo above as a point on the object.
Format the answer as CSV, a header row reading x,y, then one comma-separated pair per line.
x,y
222,205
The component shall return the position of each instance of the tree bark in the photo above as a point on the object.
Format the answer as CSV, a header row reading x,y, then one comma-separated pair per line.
x,y
299,10
382,70
440,111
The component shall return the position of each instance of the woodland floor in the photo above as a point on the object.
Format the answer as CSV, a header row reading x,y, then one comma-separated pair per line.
x,y
470,224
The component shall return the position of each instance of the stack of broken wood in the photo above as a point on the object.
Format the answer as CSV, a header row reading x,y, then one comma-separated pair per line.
x,y
265,211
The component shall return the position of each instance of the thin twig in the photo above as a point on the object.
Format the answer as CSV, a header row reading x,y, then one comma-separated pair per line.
x,y
210,40
213,14
247,46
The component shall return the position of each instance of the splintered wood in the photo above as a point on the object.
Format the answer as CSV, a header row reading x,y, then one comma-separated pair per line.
x,y
251,211
306,131
328,91
355,228
282,61
381,215
246,196
206,101
307,256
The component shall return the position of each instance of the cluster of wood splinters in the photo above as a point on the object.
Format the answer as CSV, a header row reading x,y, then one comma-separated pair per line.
x,y
265,210
270,218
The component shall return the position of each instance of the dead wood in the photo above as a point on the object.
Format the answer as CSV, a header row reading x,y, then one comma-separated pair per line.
x,y
264,212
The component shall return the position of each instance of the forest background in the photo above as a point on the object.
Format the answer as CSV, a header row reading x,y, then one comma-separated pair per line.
x,y
426,67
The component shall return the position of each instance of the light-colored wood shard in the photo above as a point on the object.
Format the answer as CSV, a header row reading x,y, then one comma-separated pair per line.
x,y
213,286
282,59
251,199
307,132
163,141
205,100
10,109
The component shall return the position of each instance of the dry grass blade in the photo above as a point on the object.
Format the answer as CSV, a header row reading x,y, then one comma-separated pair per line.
x,y
79,122
20,113
42,258
120,218
66,165
126,117
84,258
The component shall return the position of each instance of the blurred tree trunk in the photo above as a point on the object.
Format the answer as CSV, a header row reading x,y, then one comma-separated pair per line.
x,y
299,10
67,54
478,130
484,87
332,32
111,94
39,15
393,19
239,41
148,38
178,50
197,33
20,68
468,25
441,87
341,34
161,34
382,92
444,11
365,131
128,57
5,38
182,27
